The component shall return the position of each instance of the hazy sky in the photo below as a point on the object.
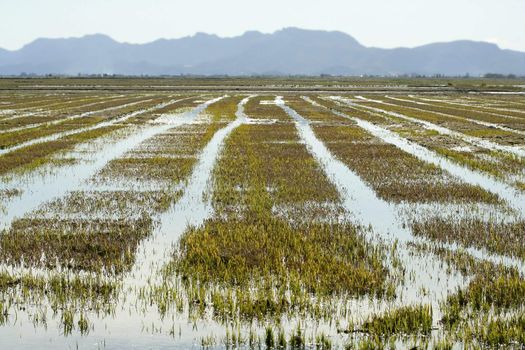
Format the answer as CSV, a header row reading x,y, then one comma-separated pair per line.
x,y
382,23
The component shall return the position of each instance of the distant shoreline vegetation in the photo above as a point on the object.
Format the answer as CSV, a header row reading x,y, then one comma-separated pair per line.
x,y
219,76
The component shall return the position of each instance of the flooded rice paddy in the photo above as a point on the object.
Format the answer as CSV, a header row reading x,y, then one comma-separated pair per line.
x,y
220,219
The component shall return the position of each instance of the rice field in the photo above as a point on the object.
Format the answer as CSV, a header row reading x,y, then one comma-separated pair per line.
x,y
262,213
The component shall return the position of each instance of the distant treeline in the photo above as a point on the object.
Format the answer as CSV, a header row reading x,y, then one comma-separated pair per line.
x,y
501,76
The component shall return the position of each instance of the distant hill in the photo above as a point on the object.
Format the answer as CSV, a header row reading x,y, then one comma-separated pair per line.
x,y
288,51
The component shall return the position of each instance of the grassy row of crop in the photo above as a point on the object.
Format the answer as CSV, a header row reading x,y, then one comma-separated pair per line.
x,y
495,236
14,138
380,164
37,154
504,166
62,105
39,101
62,112
475,110
77,244
453,122
430,110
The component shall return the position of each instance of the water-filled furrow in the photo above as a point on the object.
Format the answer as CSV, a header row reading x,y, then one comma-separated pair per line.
x,y
32,111
71,117
476,141
468,106
88,128
475,121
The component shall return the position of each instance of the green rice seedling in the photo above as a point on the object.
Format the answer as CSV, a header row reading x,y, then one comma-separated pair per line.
x,y
403,320
486,312
167,157
497,237
281,339
37,154
269,338
370,344
253,339
111,204
78,244
322,342
61,290
235,252
8,139
500,164
251,234
67,322
83,324
151,168
297,339
187,102
70,298
208,342
443,344
260,107
4,313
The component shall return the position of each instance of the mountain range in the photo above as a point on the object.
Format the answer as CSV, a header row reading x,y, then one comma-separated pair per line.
x,y
290,51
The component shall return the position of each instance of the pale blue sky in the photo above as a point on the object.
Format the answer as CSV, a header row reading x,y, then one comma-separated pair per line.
x,y
382,23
